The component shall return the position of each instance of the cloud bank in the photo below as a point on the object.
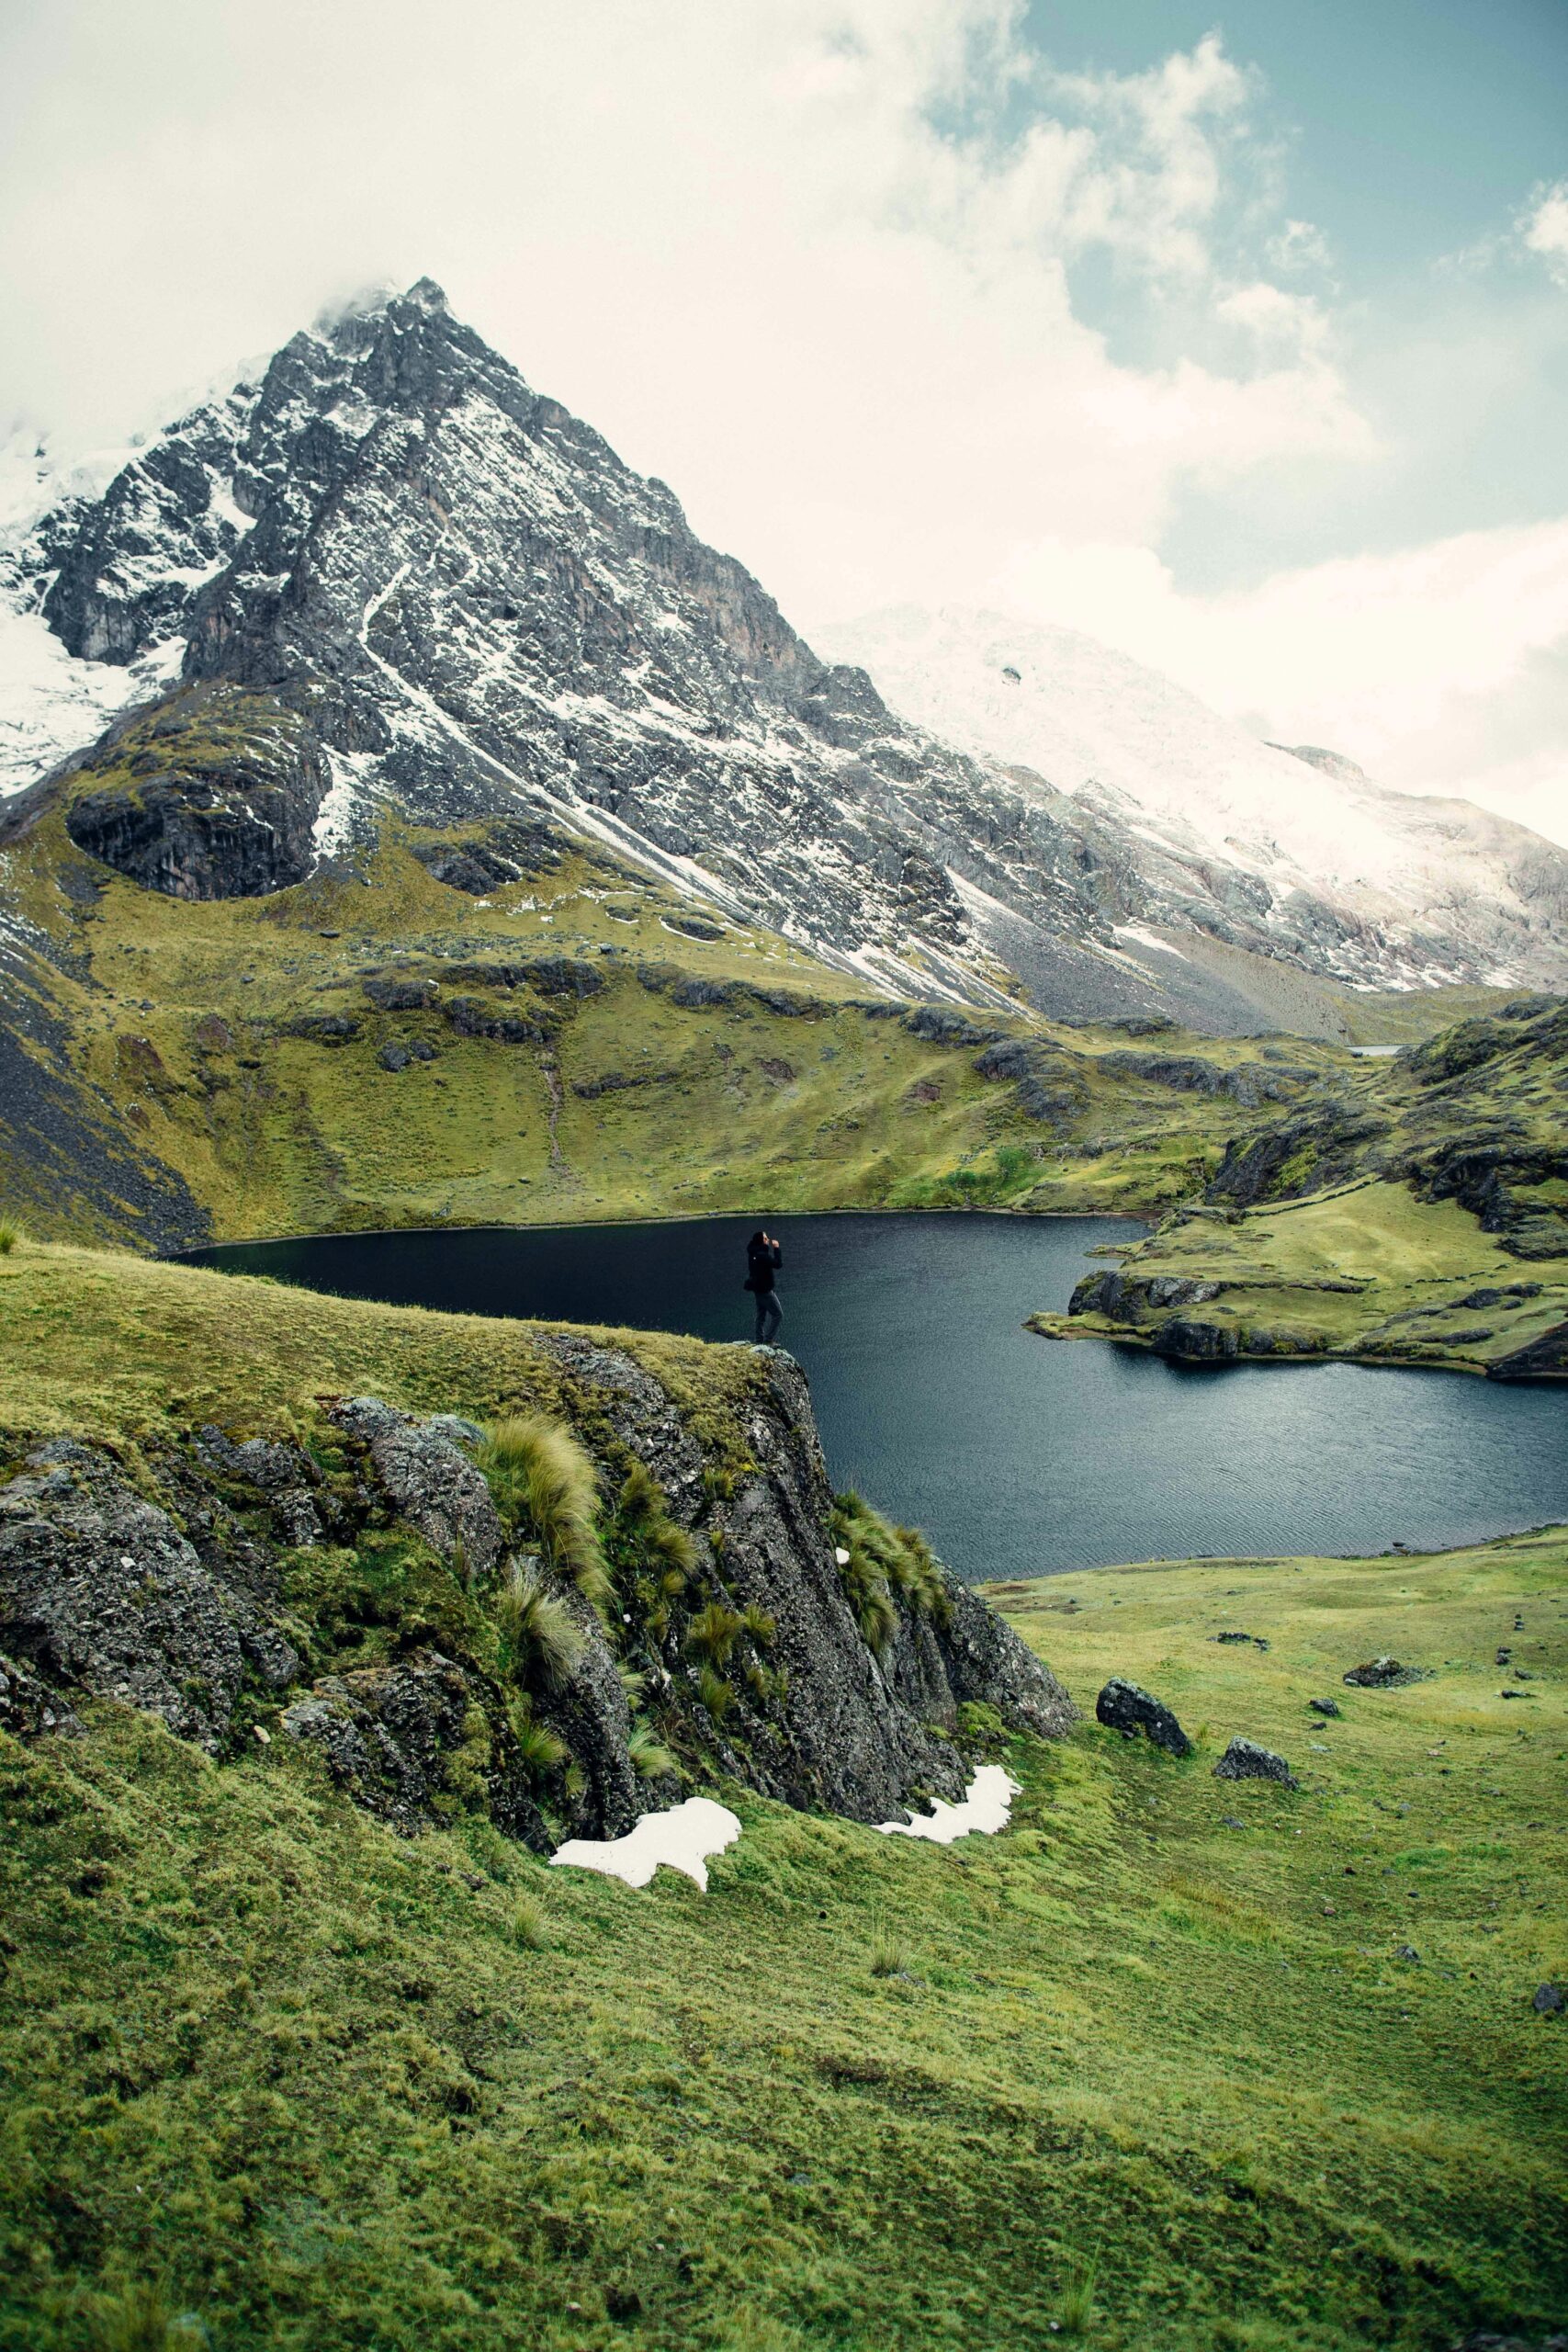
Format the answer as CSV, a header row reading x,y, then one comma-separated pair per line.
x,y
904,311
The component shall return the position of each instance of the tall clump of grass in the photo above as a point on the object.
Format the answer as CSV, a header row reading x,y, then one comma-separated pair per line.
x,y
1075,2311
540,1643
642,1514
530,1923
889,1955
714,1632
9,1236
543,1483
138,2319
651,1760
884,1561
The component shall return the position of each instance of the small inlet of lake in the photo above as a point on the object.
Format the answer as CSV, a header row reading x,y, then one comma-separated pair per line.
x,y
1020,1456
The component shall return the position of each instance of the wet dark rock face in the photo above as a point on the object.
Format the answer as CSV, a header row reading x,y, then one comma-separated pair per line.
x,y
179,1602
213,797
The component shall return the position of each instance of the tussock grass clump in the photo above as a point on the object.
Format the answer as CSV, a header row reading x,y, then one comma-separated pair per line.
x,y
540,1750
659,1542
1075,2311
138,2319
715,1692
539,1640
651,1760
887,1567
889,1953
543,1482
10,1235
897,1559
530,1923
714,1632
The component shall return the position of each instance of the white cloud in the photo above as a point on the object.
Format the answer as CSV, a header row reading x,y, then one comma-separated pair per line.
x,y
1441,668
1543,228
802,262
821,267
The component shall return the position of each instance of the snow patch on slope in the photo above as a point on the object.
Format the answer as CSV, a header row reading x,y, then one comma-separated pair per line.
x,y
986,1806
1102,729
51,704
682,1839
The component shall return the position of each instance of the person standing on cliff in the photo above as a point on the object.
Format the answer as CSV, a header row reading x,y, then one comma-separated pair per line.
x,y
763,1257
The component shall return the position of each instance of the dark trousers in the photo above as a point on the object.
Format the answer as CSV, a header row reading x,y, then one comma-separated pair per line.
x,y
769,1316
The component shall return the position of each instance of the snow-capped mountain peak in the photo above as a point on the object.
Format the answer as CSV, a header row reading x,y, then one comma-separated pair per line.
x,y
445,595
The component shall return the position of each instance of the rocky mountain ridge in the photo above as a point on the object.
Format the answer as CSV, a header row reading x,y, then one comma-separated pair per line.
x,y
458,607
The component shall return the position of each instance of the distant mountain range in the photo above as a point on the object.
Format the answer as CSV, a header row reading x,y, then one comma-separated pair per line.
x,y
381,581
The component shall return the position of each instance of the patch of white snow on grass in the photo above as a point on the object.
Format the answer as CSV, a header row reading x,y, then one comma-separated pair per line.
x,y
987,1804
682,1838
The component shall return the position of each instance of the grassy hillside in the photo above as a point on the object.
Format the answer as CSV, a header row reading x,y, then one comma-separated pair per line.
x,y
1417,1213
667,1063
101,1344
1146,2071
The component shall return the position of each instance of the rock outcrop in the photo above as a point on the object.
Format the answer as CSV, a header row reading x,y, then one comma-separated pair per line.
x,y
197,1600
1245,1760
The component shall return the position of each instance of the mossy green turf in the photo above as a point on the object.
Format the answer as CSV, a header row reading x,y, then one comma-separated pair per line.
x,y
1406,1266
1367,1268
318,2087
735,1105
100,1343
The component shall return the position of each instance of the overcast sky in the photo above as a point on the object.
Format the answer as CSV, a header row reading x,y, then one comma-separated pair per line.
x,y
1242,345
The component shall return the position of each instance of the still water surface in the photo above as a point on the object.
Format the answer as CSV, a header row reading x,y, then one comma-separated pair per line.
x,y
1019,1455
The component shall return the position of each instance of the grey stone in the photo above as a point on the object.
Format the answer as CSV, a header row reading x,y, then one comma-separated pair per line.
x,y
1550,2001
1245,1760
1123,1707
101,1590
433,1485
1324,1706
1382,1674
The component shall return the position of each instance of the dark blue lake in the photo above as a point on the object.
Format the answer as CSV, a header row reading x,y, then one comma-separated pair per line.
x,y
1019,1455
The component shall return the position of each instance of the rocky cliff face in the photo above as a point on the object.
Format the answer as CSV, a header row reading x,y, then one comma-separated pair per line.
x,y
352,1598
469,608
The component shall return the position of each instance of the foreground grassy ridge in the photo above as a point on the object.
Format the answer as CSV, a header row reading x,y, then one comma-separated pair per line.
x,y
268,2065
103,1344
205,1031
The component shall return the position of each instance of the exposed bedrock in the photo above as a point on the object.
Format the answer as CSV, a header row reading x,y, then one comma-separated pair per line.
x,y
244,1584
213,796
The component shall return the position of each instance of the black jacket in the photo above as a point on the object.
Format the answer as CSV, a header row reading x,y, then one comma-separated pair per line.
x,y
761,1256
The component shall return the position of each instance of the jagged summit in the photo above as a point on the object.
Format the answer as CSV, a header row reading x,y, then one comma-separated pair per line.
x,y
443,597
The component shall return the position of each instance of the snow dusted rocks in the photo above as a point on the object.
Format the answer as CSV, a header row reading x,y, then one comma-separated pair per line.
x,y
681,1839
473,613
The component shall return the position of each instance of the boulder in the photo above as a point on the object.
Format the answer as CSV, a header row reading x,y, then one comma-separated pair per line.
x,y
101,1590
1382,1674
1550,2000
1193,1341
1324,1706
1245,1760
1123,1707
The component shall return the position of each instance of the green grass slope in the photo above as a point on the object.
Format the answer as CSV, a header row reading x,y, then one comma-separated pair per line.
x,y
1416,1212
233,1044
1127,2072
